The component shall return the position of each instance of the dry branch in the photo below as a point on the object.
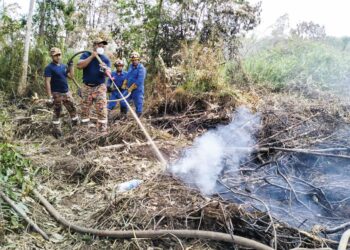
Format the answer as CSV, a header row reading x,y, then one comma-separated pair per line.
x,y
25,217
336,229
293,150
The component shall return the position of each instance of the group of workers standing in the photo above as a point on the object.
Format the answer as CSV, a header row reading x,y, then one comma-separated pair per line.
x,y
96,67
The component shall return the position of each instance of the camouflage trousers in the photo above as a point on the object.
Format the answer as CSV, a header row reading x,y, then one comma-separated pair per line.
x,y
67,100
95,95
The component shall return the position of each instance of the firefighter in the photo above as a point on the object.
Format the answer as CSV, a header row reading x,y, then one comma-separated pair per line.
x,y
134,84
119,76
57,89
94,89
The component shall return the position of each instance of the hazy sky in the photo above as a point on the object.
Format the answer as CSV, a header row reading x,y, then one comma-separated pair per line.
x,y
335,14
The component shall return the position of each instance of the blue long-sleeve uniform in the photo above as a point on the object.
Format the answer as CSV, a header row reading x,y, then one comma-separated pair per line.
x,y
136,75
118,79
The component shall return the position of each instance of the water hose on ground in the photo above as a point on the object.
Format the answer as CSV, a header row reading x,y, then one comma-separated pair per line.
x,y
151,234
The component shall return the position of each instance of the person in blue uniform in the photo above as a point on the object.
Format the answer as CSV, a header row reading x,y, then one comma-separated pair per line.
x,y
134,84
57,89
119,75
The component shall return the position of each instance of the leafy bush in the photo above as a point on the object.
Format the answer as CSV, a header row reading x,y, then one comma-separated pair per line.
x,y
15,180
202,68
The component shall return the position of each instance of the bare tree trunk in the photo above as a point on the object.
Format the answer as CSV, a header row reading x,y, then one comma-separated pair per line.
x,y
22,87
42,19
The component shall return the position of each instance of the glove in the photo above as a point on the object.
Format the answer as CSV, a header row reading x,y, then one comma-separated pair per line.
x,y
70,64
49,102
125,84
111,88
132,87
108,71
79,93
105,69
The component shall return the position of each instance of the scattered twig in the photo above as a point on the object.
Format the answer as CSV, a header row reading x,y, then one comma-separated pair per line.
x,y
336,229
24,216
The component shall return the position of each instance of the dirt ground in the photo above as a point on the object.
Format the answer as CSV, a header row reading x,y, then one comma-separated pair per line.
x,y
78,174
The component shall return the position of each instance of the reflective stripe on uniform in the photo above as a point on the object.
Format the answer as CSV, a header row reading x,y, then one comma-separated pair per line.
x,y
102,121
56,122
75,118
85,120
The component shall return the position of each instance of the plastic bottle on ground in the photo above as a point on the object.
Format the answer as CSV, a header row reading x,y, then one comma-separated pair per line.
x,y
126,186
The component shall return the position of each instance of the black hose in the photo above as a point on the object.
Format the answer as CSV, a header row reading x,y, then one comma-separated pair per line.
x,y
78,53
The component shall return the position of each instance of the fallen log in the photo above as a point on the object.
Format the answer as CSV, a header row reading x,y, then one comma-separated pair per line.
x,y
198,234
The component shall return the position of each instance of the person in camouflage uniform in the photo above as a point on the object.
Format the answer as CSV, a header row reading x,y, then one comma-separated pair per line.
x,y
94,89
57,89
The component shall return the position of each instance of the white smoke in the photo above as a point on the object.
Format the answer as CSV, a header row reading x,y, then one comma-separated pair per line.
x,y
203,162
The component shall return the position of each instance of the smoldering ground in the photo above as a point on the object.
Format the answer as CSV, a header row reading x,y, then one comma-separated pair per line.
x,y
301,190
203,163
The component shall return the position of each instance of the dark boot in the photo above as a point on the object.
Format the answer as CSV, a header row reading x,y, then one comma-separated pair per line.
x,y
123,113
123,110
57,132
139,114
75,122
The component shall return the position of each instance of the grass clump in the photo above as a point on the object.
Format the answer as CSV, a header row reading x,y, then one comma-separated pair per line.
x,y
202,67
284,62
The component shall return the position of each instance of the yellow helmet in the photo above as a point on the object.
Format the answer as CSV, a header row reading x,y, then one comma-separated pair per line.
x,y
55,51
118,62
98,40
134,55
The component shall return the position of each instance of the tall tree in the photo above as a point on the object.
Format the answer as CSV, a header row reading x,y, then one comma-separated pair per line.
x,y
309,31
22,87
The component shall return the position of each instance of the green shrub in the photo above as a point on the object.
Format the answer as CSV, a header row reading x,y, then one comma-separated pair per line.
x,y
293,60
202,68
15,181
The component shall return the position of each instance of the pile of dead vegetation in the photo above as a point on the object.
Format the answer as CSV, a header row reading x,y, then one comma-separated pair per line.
x,y
295,121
